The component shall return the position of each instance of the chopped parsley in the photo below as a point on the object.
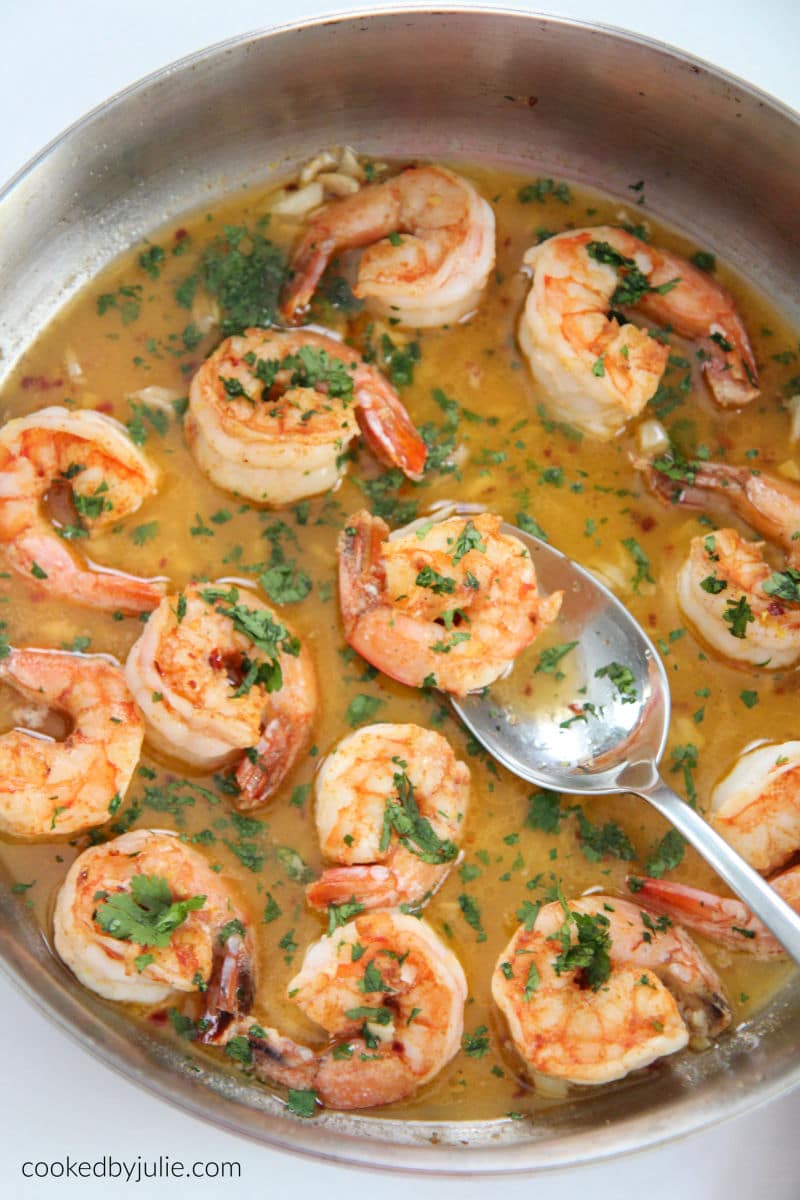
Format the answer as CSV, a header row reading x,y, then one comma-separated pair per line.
x,y
415,831
623,680
633,283
738,615
684,758
529,525
589,955
785,585
361,708
400,360
470,910
550,658
642,563
532,981
440,585
301,1102
667,855
476,1044
147,915
340,914
469,539
244,272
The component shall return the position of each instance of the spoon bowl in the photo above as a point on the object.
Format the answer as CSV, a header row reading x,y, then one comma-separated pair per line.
x,y
594,719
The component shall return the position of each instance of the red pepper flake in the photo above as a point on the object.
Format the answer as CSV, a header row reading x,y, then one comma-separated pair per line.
x,y
40,382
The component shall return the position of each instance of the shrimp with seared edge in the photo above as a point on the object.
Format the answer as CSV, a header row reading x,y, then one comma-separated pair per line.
x,y
390,995
272,412
219,676
429,239
597,369
390,806
755,807
49,787
741,608
89,471
766,502
144,916
596,987
722,919
448,605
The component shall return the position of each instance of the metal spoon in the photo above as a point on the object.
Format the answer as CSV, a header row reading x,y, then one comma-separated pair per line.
x,y
610,738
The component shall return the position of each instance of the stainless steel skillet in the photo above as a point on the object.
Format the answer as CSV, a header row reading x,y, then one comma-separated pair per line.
x,y
719,160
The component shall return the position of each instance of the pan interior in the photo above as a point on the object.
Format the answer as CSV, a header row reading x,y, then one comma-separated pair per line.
x,y
548,96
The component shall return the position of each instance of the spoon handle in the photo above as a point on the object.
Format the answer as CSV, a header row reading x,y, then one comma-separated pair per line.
x,y
760,898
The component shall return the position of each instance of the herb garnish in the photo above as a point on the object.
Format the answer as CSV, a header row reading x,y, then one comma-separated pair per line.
x,y
147,914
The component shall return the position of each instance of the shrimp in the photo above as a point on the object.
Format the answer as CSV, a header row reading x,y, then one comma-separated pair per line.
x,y
49,787
391,996
271,414
430,247
598,370
756,807
722,919
769,504
735,601
216,673
597,988
85,464
144,916
448,606
391,800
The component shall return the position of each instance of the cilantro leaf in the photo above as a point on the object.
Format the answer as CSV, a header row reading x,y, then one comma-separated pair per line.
x,y
147,914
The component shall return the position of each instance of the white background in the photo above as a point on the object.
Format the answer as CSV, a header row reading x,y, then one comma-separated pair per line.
x,y
62,57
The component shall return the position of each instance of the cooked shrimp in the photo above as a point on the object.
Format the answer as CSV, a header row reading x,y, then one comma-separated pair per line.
x,y
597,988
391,800
430,247
85,463
769,504
271,414
391,996
217,672
449,605
144,916
756,807
49,787
722,919
599,371
733,598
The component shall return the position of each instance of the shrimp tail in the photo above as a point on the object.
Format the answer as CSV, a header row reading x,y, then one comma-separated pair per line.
x,y
41,556
389,431
362,578
769,504
706,1014
308,266
230,990
371,886
723,920
732,376
263,768
280,1060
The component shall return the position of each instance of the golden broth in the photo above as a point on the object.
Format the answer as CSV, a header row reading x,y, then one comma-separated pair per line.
x,y
127,331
